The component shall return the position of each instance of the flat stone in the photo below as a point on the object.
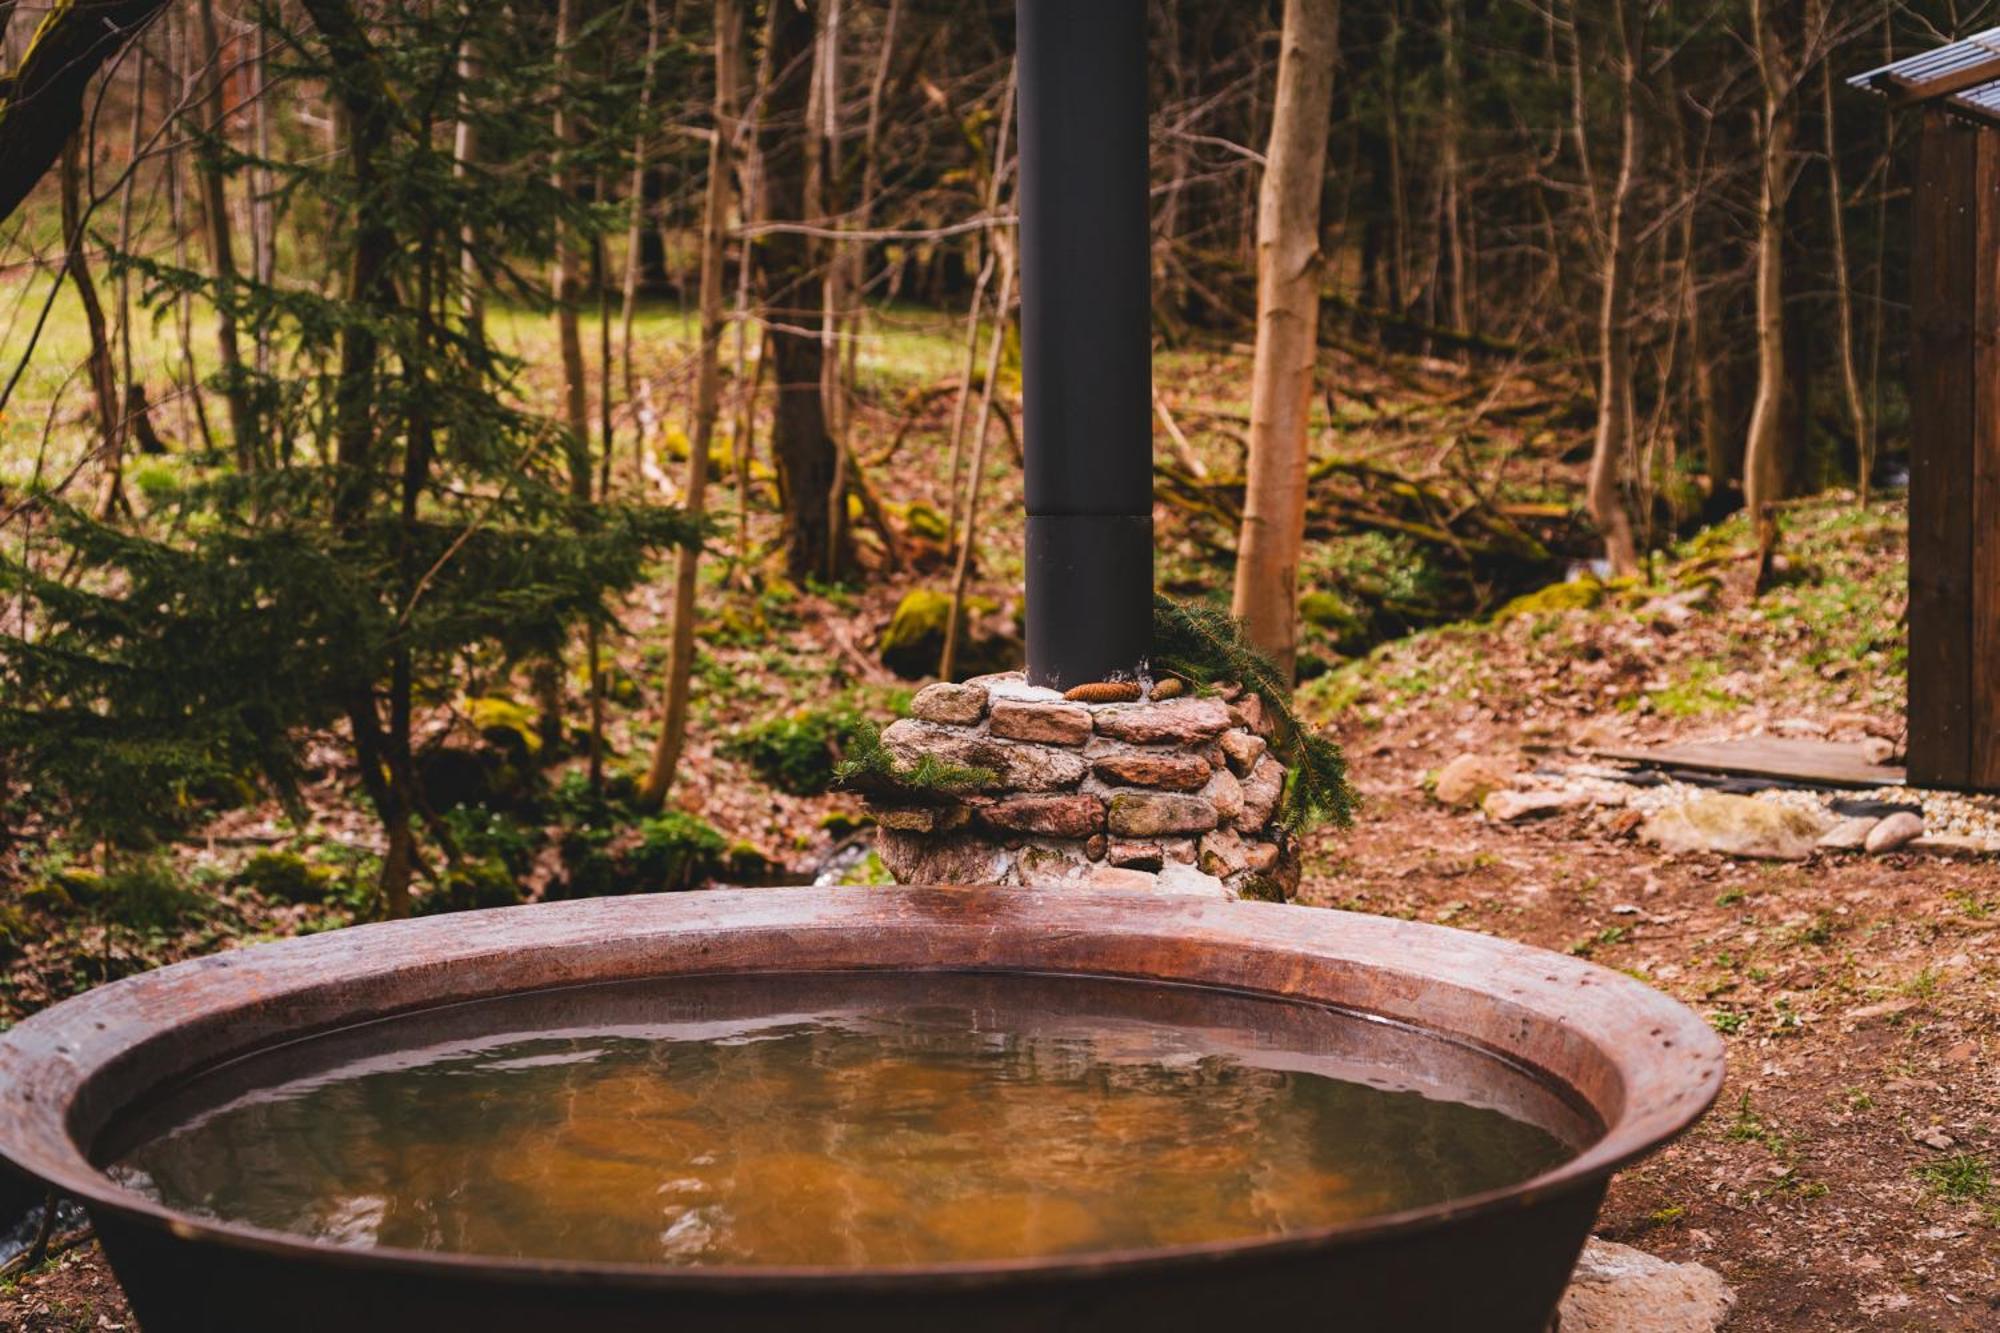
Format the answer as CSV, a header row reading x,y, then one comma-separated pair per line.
x,y
1878,750
1174,770
1069,815
1177,721
1466,780
1895,831
1115,877
1020,766
1223,854
1617,1289
1178,849
1178,878
1043,867
1054,723
1736,826
1259,857
1225,793
1953,844
1016,687
1509,806
953,705
1136,855
1261,791
1249,712
912,819
927,858
1147,814
1243,749
1849,835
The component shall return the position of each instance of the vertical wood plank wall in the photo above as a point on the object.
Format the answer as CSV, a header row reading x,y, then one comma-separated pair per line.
x,y
1983,485
1954,659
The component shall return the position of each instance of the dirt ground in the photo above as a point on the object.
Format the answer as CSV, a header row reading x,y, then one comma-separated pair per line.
x,y
1867,990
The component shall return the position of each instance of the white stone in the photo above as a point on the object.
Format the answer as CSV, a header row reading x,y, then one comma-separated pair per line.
x,y
1617,1289
1736,826
1466,780
1509,807
1849,835
1893,832
1179,878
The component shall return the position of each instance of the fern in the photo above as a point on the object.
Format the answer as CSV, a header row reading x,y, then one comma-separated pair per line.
x,y
1208,645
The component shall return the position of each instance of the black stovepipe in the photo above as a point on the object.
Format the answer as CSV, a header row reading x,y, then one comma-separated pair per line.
x,y
1086,338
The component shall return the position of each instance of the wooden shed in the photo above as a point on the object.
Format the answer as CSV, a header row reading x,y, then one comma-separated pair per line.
x,y
1954,386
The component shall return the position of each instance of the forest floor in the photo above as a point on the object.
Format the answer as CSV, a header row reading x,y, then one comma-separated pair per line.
x,y
1846,1178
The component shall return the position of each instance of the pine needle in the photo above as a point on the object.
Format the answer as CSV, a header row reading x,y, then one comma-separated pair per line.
x,y
1208,646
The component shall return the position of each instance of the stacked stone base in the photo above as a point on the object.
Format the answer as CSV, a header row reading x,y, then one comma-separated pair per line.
x,y
1177,795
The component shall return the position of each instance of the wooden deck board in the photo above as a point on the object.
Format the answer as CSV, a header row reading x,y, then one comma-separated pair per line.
x,y
1828,763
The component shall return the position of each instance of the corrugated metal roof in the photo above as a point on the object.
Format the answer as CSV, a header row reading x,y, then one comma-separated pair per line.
x,y
1933,66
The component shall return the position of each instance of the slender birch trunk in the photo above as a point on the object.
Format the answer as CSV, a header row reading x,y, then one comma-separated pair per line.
x,y
948,660
1288,274
1613,444
987,265
635,232
103,386
221,248
464,156
569,337
1843,295
708,396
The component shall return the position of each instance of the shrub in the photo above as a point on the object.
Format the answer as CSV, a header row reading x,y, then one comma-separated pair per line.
x,y
286,877
470,886
798,752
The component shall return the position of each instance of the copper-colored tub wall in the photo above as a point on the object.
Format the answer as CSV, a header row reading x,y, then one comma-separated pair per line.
x,y
1644,1065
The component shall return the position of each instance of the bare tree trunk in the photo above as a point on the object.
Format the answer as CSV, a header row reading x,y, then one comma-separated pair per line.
x,y
136,419
221,250
855,253
743,423
1613,442
1454,236
948,660
823,190
1288,272
1763,450
569,337
180,62
1850,380
635,231
464,154
263,219
972,315
104,388
1399,218
801,446
708,395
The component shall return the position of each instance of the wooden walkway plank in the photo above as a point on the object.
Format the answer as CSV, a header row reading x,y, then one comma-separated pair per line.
x,y
1786,759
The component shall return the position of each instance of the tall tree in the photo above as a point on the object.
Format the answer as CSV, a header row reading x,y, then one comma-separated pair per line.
x,y
1281,379
708,391
1785,41
218,231
790,258
1612,446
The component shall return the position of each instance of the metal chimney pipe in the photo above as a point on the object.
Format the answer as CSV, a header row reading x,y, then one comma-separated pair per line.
x,y
1086,337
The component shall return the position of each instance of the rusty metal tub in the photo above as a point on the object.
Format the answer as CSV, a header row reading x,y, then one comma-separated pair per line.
x,y
1641,1065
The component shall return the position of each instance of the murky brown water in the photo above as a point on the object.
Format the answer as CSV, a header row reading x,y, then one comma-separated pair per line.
x,y
849,1120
